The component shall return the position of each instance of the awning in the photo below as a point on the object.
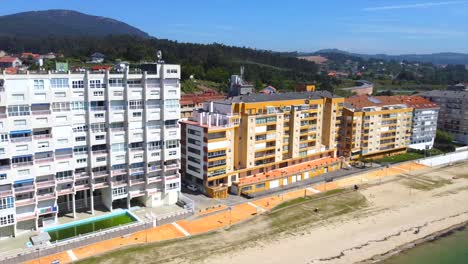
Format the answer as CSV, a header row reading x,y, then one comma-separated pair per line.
x,y
24,181
17,132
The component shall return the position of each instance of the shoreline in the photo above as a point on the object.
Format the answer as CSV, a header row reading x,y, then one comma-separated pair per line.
x,y
379,258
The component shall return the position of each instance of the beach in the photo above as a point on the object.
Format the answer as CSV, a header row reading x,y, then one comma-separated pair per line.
x,y
399,211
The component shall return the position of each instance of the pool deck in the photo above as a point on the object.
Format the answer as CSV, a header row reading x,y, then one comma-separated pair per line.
x,y
210,222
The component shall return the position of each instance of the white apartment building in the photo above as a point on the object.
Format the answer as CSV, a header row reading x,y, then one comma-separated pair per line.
x,y
71,141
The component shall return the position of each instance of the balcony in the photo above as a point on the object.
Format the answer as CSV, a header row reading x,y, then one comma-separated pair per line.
x,y
24,189
134,181
100,152
153,191
24,202
81,186
44,160
6,193
172,166
63,156
21,139
65,191
155,168
64,179
25,216
137,193
98,108
136,149
44,136
22,164
43,184
119,172
47,210
81,175
100,173
157,178
5,167
119,183
41,112
46,196
100,185
136,170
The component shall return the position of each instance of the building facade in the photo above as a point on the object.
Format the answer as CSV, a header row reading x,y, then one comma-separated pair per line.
x,y
87,140
189,102
375,126
453,113
424,123
252,143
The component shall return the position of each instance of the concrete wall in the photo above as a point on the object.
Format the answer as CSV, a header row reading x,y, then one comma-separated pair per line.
x,y
445,159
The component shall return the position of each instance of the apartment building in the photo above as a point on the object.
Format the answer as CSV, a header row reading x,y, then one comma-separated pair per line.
x,y
253,143
189,102
424,122
375,126
453,113
72,141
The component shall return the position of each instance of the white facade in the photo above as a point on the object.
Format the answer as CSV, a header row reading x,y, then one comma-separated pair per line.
x,y
72,141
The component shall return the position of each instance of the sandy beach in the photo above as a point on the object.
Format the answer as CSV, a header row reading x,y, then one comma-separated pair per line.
x,y
398,212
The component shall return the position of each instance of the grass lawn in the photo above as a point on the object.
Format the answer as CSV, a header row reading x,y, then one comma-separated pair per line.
x,y
400,158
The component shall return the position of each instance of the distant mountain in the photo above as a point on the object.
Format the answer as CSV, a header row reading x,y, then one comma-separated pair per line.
x,y
63,23
436,58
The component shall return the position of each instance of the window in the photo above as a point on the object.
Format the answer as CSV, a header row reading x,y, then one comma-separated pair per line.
x,y
134,83
119,191
154,145
171,70
19,110
44,144
216,163
100,137
60,94
99,115
100,159
216,154
98,93
3,176
59,83
172,143
17,97
38,84
77,105
20,122
116,83
171,103
21,147
23,172
40,96
118,147
194,132
62,140
96,84
193,150
192,168
2,150
193,159
172,153
62,175
77,84
137,114
61,107
135,104
80,128
83,160
194,141
7,219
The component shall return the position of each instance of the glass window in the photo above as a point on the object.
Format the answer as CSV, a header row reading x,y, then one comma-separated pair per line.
x,y
59,83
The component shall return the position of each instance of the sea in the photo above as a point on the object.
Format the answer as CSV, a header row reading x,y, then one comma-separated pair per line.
x,y
450,249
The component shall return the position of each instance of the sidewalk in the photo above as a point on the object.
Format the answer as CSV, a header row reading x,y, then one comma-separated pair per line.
x,y
215,220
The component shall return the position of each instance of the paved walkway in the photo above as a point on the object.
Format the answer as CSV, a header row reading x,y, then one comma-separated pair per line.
x,y
213,220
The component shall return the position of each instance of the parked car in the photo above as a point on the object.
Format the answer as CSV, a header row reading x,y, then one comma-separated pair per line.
x,y
192,187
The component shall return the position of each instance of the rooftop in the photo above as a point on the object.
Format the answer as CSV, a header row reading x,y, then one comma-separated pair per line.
x,y
8,59
261,97
278,173
362,101
417,102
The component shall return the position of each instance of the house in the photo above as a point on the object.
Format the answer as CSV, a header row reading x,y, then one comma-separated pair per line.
x,y
27,55
97,57
2,53
6,62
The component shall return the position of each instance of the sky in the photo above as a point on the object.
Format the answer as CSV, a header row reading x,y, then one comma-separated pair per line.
x,y
365,26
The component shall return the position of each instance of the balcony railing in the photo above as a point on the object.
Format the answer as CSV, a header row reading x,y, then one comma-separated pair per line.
x,y
136,149
25,201
119,172
83,174
45,183
100,173
44,160
45,196
155,178
100,152
22,164
20,139
134,170
24,189
64,156
3,115
41,112
65,179
5,167
173,166
116,183
98,108
6,193
44,136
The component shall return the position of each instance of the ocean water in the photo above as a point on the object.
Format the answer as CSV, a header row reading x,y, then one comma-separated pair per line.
x,y
451,249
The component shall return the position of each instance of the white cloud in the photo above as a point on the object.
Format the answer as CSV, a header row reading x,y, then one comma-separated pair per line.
x,y
413,6
412,31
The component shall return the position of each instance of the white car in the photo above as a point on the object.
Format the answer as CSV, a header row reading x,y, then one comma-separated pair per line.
x,y
192,187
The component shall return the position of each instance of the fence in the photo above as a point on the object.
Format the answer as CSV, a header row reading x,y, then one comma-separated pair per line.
x,y
445,159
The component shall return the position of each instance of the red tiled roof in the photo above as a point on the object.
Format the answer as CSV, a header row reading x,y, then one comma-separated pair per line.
x,y
417,102
8,59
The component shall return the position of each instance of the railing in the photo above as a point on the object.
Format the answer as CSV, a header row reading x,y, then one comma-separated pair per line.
x,y
136,149
137,180
22,164
6,193
29,188
42,112
65,179
25,201
171,126
21,139
98,108
100,152
175,166
42,136
119,171
119,182
64,156
118,108
3,115
45,183
81,174
45,196
64,191
154,168
44,160
100,173
5,167
155,179
137,170
117,129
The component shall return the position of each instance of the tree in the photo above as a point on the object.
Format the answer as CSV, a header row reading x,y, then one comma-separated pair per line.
x,y
443,137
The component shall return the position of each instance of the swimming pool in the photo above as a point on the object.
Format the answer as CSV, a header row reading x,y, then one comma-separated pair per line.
x,y
90,225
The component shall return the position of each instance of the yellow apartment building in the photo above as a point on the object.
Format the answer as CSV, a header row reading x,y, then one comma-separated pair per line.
x,y
375,126
258,142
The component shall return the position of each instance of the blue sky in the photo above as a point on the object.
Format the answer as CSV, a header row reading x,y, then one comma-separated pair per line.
x,y
369,26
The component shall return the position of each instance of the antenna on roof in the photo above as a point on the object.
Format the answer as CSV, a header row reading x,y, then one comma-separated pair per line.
x,y
242,72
